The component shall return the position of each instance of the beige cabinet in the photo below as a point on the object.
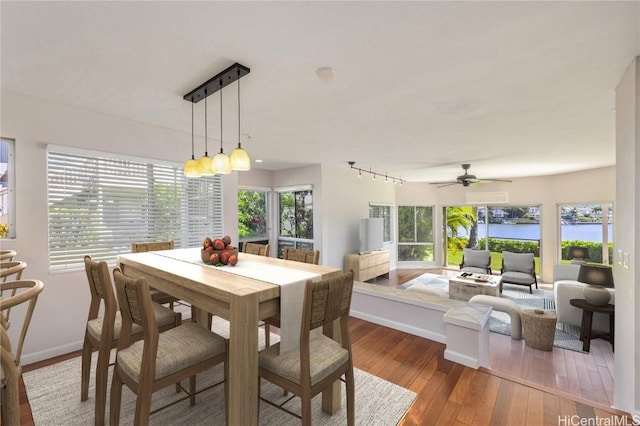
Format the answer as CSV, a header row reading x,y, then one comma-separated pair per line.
x,y
369,265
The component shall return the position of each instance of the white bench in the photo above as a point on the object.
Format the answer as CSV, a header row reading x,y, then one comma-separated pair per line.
x,y
503,305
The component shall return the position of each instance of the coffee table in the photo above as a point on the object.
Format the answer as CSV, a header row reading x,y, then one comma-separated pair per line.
x,y
465,285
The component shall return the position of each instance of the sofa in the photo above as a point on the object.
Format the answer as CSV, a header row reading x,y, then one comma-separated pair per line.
x,y
565,288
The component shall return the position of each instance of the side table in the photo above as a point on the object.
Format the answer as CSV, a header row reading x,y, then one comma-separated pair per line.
x,y
586,334
539,328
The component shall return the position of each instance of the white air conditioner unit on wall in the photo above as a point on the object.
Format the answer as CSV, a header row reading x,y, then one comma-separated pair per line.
x,y
488,197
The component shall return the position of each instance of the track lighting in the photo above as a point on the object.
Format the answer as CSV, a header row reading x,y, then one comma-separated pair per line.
x,y
374,174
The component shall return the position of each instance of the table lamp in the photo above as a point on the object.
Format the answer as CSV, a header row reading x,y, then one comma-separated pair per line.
x,y
578,254
597,277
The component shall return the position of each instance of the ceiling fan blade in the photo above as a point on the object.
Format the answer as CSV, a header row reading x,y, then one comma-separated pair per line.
x,y
493,180
443,184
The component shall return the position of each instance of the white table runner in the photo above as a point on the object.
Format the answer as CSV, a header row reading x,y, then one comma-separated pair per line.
x,y
291,282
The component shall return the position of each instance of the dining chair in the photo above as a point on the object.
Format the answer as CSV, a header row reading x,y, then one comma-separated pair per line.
x,y
23,291
253,248
322,358
156,295
159,359
8,254
298,255
10,271
103,332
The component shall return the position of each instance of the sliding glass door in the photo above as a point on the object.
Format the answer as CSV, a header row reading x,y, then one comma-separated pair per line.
x,y
495,228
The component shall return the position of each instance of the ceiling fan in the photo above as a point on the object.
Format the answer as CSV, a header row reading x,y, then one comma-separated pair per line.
x,y
467,179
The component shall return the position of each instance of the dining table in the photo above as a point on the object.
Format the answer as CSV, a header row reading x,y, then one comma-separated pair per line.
x,y
243,295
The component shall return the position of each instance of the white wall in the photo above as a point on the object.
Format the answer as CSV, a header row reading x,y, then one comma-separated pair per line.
x,y
346,199
627,240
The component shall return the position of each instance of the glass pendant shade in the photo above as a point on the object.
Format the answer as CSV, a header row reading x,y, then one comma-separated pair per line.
x,y
205,164
191,168
240,159
221,164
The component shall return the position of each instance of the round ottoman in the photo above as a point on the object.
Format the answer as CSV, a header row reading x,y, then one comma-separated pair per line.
x,y
539,328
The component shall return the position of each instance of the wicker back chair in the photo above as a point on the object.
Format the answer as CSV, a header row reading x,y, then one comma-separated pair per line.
x,y
253,248
102,332
322,358
299,255
160,359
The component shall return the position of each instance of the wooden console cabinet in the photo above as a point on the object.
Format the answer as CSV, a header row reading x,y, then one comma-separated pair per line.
x,y
369,265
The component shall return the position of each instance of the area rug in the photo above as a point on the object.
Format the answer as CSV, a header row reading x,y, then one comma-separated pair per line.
x,y
54,396
566,336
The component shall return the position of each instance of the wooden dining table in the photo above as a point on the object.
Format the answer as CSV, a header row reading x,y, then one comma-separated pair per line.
x,y
239,299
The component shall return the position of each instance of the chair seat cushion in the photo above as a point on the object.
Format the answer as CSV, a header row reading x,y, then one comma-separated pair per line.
x,y
164,316
178,348
326,355
517,278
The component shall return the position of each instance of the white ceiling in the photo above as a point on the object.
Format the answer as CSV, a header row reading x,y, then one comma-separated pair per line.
x,y
514,88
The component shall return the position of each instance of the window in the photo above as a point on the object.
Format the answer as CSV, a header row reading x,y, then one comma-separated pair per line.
x,y
415,233
383,211
587,225
296,219
494,228
252,215
99,204
7,189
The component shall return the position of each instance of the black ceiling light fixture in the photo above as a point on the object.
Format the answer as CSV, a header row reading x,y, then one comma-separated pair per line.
x,y
220,162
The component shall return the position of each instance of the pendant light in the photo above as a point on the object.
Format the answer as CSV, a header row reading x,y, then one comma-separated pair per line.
x,y
239,157
191,168
205,163
221,164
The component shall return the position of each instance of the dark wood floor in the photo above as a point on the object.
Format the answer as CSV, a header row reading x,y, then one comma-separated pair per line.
x,y
524,386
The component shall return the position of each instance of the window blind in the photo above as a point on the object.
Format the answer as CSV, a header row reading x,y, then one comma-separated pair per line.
x,y
383,211
98,205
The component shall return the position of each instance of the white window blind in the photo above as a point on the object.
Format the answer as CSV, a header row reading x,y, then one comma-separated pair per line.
x,y
383,211
99,205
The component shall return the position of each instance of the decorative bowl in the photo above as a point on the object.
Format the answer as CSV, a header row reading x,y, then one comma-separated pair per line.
x,y
206,255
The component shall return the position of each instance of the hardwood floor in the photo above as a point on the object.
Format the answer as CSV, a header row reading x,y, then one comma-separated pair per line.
x,y
524,386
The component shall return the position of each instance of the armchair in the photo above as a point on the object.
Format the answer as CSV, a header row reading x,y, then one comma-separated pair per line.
x,y
519,269
476,261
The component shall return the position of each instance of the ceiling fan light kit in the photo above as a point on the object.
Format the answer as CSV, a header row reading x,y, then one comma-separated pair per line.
x,y
221,163
467,179
387,177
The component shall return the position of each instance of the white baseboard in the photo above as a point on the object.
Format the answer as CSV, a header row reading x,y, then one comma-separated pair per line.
x,y
30,358
461,358
427,334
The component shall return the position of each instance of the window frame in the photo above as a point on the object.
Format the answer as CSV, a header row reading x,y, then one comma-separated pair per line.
x,y
607,237
400,244
387,219
98,203
295,242
267,216
9,199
